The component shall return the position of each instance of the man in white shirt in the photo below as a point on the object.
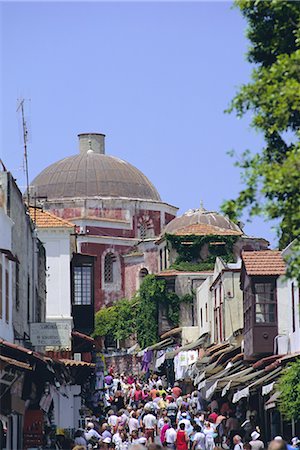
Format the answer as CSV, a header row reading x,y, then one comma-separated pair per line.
x,y
91,434
112,420
237,440
171,437
149,422
133,423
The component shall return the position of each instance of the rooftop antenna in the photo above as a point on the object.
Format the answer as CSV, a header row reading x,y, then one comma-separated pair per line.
x,y
25,140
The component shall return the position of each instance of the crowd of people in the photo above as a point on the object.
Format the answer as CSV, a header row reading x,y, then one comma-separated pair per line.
x,y
148,414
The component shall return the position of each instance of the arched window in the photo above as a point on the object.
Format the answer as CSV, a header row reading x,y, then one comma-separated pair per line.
x,y
145,227
143,273
109,267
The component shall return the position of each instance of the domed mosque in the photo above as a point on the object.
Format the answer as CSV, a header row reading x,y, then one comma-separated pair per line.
x,y
114,228
92,173
114,208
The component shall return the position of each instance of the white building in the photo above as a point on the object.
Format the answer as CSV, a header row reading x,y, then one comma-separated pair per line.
x,y
288,298
220,303
7,268
58,238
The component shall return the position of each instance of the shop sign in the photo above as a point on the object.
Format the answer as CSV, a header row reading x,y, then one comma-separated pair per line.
x,y
51,334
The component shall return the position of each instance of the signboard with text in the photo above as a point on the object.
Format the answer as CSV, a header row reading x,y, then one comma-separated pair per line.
x,y
51,334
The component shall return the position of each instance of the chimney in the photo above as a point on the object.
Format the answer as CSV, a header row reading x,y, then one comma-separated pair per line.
x,y
94,142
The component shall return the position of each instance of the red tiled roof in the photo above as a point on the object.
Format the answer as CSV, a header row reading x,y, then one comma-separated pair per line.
x,y
44,219
264,262
203,229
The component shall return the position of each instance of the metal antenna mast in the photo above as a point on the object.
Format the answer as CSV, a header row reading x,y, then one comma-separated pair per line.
x,y
25,139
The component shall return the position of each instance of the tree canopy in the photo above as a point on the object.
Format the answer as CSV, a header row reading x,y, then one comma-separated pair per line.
x,y
271,177
289,387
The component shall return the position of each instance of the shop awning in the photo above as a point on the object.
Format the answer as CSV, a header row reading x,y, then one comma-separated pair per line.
x,y
271,403
172,332
83,336
191,346
15,363
245,392
162,344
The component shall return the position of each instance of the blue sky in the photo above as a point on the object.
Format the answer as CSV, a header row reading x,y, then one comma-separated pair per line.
x,y
155,77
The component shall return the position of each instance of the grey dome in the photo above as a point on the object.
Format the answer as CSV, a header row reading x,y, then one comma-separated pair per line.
x,y
200,216
93,174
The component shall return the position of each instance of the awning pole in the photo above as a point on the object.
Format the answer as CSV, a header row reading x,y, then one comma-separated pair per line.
x,y
293,427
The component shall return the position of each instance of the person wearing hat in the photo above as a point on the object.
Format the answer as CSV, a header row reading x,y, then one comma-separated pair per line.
x,y
295,442
256,443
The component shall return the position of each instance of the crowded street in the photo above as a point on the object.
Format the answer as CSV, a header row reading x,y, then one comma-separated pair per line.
x,y
147,413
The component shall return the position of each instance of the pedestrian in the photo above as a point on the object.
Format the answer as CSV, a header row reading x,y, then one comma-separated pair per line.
x,y
199,439
277,444
79,438
255,442
171,437
182,438
295,442
133,423
163,430
91,435
237,441
209,432
150,423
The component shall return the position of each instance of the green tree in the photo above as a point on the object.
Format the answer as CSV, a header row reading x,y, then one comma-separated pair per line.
x,y
289,386
118,320
271,177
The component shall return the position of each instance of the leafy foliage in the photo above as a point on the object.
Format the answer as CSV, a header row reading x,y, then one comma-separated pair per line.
x,y
192,267
271,177
189,248
289,386
118,320
140,315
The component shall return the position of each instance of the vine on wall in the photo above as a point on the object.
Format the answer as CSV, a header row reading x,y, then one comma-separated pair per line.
x,y
189,248
140,315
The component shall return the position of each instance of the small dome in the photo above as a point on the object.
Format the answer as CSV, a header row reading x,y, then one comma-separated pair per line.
x,y
211,221
92,174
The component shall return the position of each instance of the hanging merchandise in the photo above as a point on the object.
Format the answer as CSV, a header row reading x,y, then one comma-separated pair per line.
x,y
192,357
161,356
147,358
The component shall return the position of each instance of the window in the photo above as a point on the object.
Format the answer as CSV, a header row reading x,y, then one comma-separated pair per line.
x,y
110,342
206,313
201,317
83,285
109,268
265,305
293,308
6,296
166,257
28,299
1,290
143,273
143,230
17,286
247,308
161,259
145,227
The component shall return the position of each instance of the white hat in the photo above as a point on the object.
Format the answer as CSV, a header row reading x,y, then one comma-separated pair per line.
x,y
255,435
278,438
295,441
90,425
